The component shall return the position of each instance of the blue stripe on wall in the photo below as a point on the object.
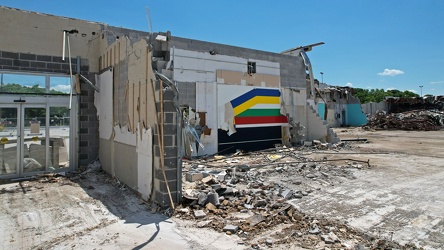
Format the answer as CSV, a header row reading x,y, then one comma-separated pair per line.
x,y
252,93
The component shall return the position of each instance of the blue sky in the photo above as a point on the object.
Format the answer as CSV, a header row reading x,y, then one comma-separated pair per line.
x,y
368,44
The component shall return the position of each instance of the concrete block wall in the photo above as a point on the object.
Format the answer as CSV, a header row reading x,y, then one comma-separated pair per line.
x,y
27,62
173,166
88,124
292,69
187,94
17,62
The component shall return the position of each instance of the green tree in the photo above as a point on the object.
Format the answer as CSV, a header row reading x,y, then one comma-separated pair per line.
x,y
378,95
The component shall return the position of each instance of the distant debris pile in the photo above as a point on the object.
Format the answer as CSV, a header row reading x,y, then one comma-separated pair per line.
x,y
410,120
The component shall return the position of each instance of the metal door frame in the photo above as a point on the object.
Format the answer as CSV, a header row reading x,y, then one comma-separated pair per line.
x,y
24,101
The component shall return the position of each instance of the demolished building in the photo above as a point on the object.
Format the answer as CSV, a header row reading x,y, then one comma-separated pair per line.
x,y
90,91
338,107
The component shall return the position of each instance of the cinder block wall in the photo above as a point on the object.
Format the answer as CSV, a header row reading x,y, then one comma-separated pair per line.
x,y
88,123
187,93
173,168
16,62
292,68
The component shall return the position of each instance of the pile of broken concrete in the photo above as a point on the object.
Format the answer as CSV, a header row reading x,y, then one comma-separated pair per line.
x,y
247,196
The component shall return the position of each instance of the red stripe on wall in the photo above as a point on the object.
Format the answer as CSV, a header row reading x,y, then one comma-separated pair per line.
x,y
260,119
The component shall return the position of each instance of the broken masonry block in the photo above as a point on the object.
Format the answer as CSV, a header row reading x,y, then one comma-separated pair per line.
x,y
204,223
255,219
221,176
287,193
202,199
208,180
211,207
192,177
213,198
260,203
199,214
230,228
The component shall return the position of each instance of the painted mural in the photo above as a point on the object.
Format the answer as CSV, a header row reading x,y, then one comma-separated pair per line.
x,y
251,118
258,108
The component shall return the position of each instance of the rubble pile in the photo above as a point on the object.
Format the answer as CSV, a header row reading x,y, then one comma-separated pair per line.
x,y
248,196
411,120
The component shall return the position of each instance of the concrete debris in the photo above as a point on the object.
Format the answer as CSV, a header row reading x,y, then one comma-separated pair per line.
x,y
94,166
213,198
330,238
255,219
248,194
208,180
192,176
199,214
314,229
202,199
211,207
230,228
410,120
287,193
204,223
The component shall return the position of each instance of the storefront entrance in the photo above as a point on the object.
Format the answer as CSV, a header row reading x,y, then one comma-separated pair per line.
x,y
36,134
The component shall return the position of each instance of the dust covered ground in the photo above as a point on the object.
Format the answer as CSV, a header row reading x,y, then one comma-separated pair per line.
x,y
90,211
383,193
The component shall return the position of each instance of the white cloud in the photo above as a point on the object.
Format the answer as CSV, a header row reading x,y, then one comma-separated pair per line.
x,y
349,84
412,90
438,82
391,72
62,88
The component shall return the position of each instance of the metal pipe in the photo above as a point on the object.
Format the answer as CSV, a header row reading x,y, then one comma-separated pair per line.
x,y
64,44
70,72
90,83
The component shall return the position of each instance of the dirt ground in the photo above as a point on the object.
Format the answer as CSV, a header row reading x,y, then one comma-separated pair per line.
x,y
398,197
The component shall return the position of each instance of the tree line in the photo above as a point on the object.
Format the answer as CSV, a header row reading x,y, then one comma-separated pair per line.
x,y
378,95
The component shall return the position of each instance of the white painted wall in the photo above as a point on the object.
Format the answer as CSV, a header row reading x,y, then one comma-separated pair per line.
x,y
144,160
294,103
206,101
193,66
136,144
104,104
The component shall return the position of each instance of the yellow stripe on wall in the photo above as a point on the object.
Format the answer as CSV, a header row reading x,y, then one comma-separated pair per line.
x,y
256,100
